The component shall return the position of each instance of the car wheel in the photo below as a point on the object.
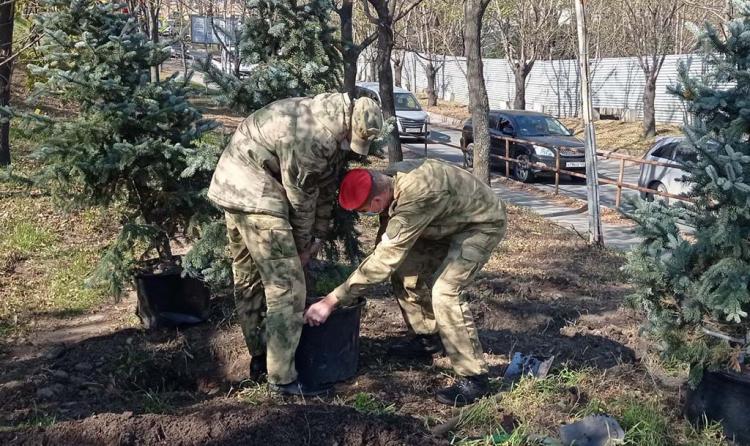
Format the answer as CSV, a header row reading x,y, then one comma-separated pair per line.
x,y
469,156
658,186
522,169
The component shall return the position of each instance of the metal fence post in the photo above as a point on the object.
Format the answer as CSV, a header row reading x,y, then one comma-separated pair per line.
x,y
557,172
507,156
619,183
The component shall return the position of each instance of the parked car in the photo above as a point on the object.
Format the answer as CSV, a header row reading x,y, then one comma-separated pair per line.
x,y
545,137
671,150
411,120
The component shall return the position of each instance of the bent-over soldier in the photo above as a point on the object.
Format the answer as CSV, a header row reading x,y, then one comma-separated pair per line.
x,y
443,226
276,181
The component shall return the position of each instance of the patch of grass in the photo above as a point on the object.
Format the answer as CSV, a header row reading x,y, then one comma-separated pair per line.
x,y
24,237
45,258
152,403
519,437
254,394
369,404
482,414
644,422
709,434
68,291
39,419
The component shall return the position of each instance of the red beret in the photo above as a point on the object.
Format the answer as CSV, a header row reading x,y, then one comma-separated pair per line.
x,y
355,189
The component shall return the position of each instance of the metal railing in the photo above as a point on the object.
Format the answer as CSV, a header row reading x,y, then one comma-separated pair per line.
x,y
619,183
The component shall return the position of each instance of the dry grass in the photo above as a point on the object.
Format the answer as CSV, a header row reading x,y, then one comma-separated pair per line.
x,y
621,136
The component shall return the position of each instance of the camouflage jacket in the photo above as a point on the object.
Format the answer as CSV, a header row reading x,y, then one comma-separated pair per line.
x,y
284,160
434,200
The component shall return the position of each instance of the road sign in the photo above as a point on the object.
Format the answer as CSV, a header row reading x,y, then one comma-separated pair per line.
x,y
212,30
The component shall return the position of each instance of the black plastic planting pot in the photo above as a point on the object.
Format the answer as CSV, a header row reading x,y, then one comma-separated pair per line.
x,y
329,353
166,299
724,397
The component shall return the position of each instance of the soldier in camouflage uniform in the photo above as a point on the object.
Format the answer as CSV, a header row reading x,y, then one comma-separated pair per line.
x,y
276,181
443,226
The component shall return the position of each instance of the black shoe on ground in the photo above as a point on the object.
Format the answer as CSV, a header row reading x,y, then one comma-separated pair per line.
x,y
465,391
418,346
258,369
298,389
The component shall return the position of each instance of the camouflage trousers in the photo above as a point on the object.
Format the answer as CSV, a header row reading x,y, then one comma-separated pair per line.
x,y
430,286
269,289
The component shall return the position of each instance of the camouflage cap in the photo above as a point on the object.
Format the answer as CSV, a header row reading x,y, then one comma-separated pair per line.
x,y
367,120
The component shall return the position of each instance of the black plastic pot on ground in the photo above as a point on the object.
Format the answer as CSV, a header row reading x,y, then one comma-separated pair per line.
x,y
166,298
329,353
723,397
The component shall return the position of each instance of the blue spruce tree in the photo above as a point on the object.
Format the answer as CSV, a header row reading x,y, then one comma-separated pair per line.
x,y
291,49
130,143
694,287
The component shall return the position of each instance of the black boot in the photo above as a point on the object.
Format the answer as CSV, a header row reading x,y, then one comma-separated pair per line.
x,y
258,369
296,388
418,346
465,391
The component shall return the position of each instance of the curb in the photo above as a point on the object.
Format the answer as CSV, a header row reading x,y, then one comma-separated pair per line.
x,y
446,121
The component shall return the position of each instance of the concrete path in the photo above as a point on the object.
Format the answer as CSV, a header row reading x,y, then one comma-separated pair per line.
x,y
619,236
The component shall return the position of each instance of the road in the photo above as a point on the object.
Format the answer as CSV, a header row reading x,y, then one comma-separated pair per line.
x,y
607,168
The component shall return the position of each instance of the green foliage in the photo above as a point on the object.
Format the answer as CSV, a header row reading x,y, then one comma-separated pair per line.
x,y
327,276
23,238
66,287
369,404
644,423
688,285
135,145
291,47
208,259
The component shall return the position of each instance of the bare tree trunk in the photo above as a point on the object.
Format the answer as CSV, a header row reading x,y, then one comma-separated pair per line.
x,y
649,112
351,51
431,73
373,75
398,67
153,24
183,49
478,102
519,101
7,12
385,78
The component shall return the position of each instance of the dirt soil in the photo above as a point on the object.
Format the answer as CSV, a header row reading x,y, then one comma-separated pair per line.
x,y
98,378
567,306
236,424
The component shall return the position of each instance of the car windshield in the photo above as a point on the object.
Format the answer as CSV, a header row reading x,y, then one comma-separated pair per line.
x,y
406,102
529,125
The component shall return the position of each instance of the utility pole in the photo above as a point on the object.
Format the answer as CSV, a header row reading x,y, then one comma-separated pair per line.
x,y
592,174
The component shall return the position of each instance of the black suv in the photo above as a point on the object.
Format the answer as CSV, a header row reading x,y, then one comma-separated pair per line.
x,y
544,134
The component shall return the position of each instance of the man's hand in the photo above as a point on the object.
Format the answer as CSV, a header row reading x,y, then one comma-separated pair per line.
x,y
318,312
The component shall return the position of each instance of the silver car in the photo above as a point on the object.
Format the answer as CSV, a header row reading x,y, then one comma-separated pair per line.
x,y
412,121
670,150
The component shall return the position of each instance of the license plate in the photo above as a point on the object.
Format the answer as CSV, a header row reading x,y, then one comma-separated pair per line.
x,y
576,164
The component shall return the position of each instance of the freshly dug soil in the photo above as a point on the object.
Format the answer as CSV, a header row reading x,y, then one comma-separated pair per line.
x,y
235,423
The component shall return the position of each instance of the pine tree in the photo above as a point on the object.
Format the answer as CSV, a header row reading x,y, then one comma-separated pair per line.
x,y
694,288
291,48
133,144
